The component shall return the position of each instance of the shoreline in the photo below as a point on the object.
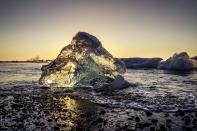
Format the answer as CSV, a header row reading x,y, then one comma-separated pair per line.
x,y
62,112
24,61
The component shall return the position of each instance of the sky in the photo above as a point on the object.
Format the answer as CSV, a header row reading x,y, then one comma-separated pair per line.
x,y
126,28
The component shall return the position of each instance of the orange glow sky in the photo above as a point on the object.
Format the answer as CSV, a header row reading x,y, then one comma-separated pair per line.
x,y
126,28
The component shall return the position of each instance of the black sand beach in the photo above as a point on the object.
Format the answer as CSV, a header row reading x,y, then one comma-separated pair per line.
x,y
63,112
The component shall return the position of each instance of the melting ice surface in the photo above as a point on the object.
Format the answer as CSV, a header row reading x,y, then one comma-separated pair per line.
x,y
151,89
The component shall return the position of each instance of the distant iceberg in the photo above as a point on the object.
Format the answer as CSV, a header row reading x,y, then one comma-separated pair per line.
x,y
194,58
141,62
180,61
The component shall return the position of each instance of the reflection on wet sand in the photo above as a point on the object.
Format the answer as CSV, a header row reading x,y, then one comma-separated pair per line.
x,y
66,114
63,112
44,111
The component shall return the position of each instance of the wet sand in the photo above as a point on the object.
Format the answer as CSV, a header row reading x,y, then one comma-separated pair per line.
x,y
62,112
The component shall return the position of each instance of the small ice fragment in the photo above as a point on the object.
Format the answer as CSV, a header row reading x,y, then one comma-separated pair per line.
x,y
49,81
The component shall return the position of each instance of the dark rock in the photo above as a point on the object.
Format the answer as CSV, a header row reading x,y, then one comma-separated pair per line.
x,y
137,119
180,112
168,121
82,115
130,118
125,127
94,123
187,120
152,128
102,112
42,124
49,120
183,127
88,114
194,121
148,113
166,115
143,125
162,128
56,128
188,129
195,126
105,122
99,120
176,114
154,120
